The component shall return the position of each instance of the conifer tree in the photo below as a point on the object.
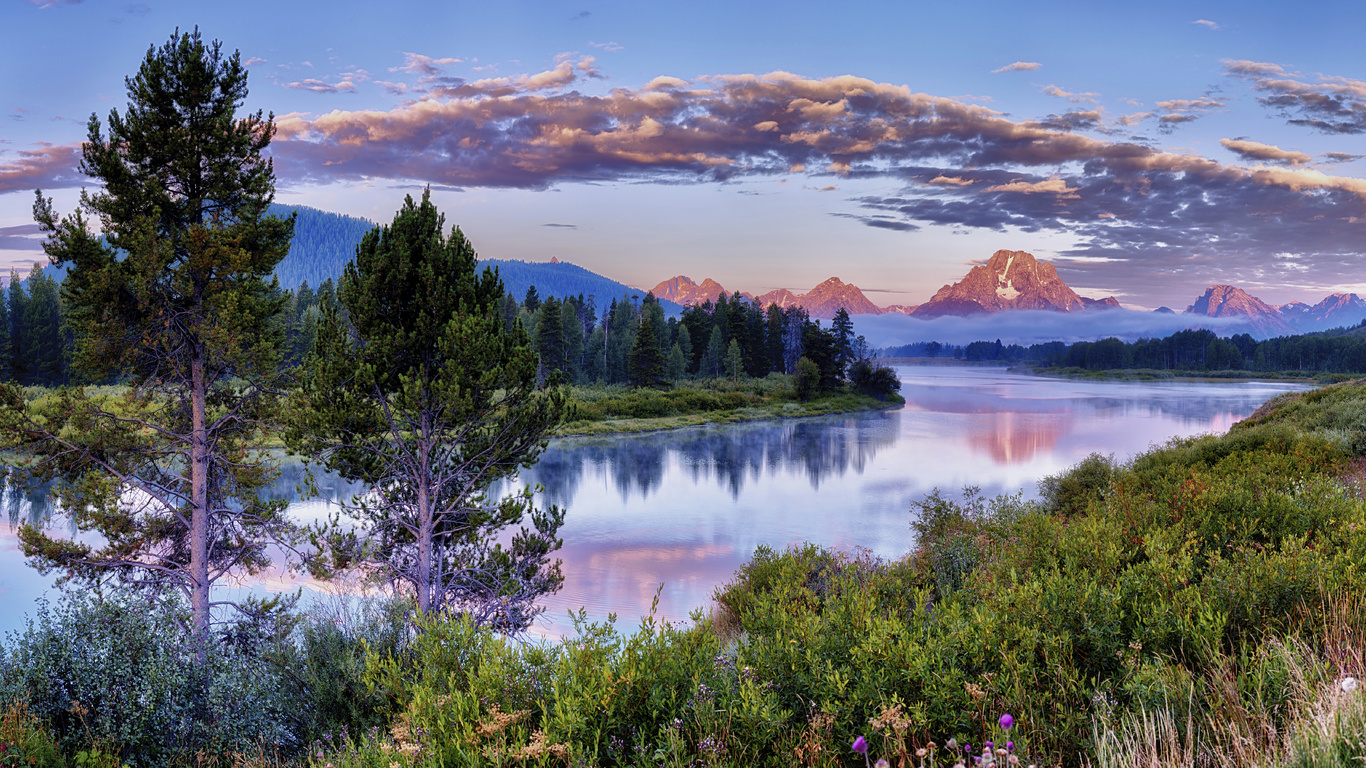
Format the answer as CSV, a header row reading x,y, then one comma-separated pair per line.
x,y
20,364
550,336
418,389
176,300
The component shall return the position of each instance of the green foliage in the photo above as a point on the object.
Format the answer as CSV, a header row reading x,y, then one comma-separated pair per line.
x,y
1070,492
417,388
175,298
24,741
808,378
116,676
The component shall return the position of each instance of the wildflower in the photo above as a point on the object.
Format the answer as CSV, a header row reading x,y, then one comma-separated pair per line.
x,y
1010,746
882,763
1349,684
1007,721
861,746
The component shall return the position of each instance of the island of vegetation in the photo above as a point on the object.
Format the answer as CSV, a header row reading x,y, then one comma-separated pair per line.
x,y
1199,604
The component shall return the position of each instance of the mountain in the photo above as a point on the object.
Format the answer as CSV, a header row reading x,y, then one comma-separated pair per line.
x,y
560,278
682,290
1227,301
1335,311
323,243
1009,280
823,301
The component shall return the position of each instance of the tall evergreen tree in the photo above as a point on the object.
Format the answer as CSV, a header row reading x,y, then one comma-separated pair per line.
x,y
422,393
177,301
571,328
550,337
21,366
42,329
646,358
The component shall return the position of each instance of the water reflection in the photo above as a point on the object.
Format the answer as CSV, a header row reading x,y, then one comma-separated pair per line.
x,y
687,508
730,457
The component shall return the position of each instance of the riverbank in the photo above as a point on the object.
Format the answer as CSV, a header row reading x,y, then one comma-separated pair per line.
x,y
607,410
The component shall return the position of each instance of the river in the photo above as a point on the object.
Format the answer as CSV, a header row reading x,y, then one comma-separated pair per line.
x,y
684,509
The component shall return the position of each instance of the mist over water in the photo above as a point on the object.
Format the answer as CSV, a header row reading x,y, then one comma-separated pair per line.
x,y
686,508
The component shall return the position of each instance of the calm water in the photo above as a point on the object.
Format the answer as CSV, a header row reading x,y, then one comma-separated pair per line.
x,y
686,508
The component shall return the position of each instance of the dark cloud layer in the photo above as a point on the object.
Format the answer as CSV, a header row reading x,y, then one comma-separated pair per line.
x,y
1331,105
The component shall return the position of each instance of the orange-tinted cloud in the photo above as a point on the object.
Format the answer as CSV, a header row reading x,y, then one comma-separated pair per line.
x,y
1267,153
46,167
1019,66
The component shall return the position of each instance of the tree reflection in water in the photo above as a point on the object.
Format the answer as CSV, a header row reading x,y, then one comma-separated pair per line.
x,y
816,448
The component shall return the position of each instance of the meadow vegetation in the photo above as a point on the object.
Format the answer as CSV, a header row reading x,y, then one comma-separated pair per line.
x,y
1197,605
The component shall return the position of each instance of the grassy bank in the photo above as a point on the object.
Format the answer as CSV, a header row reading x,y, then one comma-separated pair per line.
x,y
1199,605
599,410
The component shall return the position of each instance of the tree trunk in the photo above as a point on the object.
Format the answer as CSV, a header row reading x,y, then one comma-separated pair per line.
x,y
426,526
199,503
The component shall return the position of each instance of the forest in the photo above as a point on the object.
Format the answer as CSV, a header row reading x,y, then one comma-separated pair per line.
x,y
1339,351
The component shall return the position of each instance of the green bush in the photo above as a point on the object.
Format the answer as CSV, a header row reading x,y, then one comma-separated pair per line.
x,y
119,673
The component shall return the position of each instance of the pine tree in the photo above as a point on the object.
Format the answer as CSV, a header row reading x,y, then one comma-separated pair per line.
x,y
735,362
177,301
417,389
714,355
572,331
646,358
550,337
21,366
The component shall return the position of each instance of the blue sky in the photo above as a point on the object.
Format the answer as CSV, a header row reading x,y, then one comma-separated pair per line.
x,y
1146,149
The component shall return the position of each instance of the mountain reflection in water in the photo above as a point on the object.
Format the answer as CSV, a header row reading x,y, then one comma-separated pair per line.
x,y
687,508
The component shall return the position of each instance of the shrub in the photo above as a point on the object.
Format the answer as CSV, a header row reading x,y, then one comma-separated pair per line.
x,y
116,673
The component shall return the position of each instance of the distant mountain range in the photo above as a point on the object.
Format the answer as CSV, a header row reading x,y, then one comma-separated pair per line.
x,y
1264,320
1009,280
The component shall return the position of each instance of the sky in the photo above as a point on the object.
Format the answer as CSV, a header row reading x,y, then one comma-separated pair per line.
x,y
1147,150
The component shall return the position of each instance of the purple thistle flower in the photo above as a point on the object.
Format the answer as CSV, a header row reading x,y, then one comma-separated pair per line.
x,y
1007,721
860,746
1010,746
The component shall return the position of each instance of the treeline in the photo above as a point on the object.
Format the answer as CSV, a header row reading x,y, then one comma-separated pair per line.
x,y
35,340
634,343
1340,351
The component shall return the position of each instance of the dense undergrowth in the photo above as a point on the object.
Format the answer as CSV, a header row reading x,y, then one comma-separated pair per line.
x,y
1198,605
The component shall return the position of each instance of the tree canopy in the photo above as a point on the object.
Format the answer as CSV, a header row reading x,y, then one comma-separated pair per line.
x,y
176,299
418,388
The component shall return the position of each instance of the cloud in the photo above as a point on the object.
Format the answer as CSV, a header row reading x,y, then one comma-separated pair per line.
x,y
137,9
417,64
1207,24
25,237
1157,218
1267,153
397,89
1332,104
1075,120
322,86
46,167
1341,157
1053,185
1019,66
253,60
1075,98
565,226
829,188
609,47
53,3
581,15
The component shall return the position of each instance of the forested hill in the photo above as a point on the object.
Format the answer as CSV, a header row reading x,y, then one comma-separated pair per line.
x,y
564,279
323,243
